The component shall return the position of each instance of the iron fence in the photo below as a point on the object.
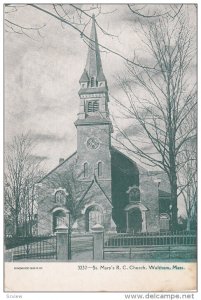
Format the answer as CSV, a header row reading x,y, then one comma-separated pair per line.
x,y
165,245
40,247
15,241
150,239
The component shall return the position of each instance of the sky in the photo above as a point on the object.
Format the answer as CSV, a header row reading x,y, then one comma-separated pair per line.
x,y
42,76
42,73
42,79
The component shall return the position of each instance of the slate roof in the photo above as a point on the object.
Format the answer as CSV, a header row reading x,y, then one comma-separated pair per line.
x,y
162,193
93,66
84,77
68,158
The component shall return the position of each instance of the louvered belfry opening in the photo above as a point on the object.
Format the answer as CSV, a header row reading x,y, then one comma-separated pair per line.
x,y
93,106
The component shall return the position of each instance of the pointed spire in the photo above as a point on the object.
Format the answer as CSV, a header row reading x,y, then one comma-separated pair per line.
x,y
93,66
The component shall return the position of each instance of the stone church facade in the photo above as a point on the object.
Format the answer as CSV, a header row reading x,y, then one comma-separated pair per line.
x,y
98,184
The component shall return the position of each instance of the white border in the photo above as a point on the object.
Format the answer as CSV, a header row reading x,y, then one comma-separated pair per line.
x,y
82,296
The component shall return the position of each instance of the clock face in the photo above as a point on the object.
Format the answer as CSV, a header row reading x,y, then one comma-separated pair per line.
x,y
93,143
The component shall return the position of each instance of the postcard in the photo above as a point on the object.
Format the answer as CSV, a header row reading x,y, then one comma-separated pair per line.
x,y
100,177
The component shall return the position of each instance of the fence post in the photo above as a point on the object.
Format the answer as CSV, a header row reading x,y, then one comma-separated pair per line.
x,y
98,233
63,243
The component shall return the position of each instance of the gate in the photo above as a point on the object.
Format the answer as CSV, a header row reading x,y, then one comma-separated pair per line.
x,y
82,247
99,246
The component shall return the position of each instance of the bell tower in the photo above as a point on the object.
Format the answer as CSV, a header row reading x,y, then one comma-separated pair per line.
x,y
93,124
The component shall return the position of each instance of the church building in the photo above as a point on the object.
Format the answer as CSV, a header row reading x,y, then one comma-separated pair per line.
x,y
98,184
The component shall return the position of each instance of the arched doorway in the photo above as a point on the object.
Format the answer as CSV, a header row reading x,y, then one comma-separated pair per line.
x,y
94,215
59,219
135,220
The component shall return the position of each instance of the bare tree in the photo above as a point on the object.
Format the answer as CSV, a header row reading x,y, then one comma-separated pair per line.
x,y
66,180
21,172
187,171
159,100
187,179
156,11
78,17
167,99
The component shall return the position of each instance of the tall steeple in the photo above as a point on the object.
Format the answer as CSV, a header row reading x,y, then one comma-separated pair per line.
x,y
93,124
94,64
93,86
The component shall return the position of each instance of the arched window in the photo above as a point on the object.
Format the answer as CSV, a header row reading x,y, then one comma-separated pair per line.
x,y
93,215
60,197
59,219
100,169
86,170
134,194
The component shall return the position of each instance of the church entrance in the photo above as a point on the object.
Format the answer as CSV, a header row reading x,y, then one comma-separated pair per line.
x,y
135,220
59,219
94,216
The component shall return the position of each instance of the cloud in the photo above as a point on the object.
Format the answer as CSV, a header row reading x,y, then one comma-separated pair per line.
x,y
147,148
42,76
40,137
133,130
125,14
22,115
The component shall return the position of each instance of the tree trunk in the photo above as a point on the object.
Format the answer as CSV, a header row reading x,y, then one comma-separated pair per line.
x,y
173,184
17,210
17,231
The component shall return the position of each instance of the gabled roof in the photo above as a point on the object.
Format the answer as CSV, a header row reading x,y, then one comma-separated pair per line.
x,y
94,181
84,77
57,167
113,149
